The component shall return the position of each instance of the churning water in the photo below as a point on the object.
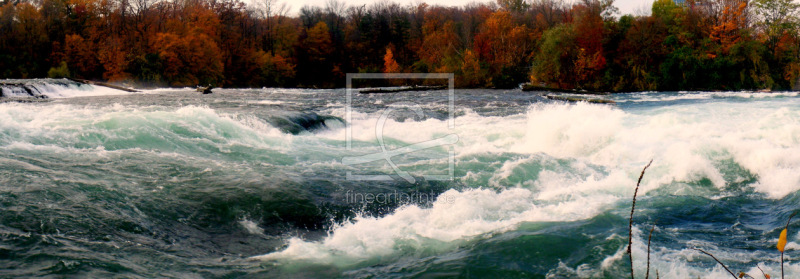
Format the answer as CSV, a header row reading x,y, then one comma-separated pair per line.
x,y
251,183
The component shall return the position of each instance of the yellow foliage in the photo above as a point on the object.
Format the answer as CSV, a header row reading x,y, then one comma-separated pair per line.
x,y
471,72
782,241
318,42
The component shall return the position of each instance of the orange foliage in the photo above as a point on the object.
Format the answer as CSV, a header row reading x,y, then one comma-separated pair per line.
x,y
727,31
166,45
83,8
439,41
30,23
192,42
389,65
112,55
501,42
189,60
786,43
589,29
80,55
590,59
201,20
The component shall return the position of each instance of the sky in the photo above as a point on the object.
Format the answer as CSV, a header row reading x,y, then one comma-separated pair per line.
x,y
635,7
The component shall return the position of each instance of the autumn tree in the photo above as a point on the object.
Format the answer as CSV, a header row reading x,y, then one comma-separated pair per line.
x,y
112,55
590,33
702,44
505,47
81,56
546,14
265,69
314,52
727,31
440,43
641,53
317,43
472,74
389,64
572,54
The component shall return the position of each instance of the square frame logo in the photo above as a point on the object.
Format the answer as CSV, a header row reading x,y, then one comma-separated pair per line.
x,y
385,154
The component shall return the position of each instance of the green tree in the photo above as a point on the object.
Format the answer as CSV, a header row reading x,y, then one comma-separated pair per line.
x,y
776,18
62,71
516,6
553,63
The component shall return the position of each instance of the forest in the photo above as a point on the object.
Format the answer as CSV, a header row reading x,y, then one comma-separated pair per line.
x,y
688,45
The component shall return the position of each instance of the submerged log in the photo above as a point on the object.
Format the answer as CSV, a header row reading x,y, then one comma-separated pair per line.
x,y
100,83
404,89
578,99
531,87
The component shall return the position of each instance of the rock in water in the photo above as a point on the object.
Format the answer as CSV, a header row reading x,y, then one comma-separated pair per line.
x,y
205,90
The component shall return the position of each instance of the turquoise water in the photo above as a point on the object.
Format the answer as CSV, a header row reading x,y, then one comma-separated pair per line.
x,y
251,183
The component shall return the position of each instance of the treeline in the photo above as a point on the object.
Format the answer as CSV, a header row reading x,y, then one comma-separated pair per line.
x,y
698,44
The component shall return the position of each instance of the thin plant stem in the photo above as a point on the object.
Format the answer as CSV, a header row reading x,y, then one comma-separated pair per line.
x,y
787,229
633,207
649,238
762,272
720,263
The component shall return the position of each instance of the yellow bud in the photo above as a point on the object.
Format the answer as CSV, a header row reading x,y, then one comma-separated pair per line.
x,y
782,241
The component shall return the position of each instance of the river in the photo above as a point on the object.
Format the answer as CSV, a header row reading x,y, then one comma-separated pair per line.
x,y
304,183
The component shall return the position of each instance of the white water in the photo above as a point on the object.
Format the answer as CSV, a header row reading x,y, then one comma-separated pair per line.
x,y
604,145
687,142
52,88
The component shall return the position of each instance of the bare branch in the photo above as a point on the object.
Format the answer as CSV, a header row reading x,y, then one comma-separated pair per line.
x,y
715,258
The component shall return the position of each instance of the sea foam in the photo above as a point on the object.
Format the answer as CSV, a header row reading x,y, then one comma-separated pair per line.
x,y
687,142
